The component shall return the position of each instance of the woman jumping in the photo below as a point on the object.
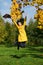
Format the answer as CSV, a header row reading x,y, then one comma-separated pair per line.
x,y
22,37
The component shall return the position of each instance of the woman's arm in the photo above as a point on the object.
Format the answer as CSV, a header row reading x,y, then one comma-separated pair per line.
x,y
15,23
25,21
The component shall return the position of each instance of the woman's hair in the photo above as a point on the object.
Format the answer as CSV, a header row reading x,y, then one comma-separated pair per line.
x,y
21,20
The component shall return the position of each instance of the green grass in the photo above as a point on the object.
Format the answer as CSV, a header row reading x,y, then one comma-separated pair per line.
x,y
24,56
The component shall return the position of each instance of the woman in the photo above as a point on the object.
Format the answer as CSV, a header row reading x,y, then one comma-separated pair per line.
x,y
22,37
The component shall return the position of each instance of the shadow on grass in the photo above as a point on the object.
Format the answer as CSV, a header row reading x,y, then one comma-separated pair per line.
x,y
33,52
27,55
18,57
15,56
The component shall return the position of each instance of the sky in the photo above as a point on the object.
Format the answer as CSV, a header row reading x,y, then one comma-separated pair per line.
x,y
29,11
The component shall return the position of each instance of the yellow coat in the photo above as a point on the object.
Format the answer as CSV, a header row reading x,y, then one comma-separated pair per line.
x,y
22,34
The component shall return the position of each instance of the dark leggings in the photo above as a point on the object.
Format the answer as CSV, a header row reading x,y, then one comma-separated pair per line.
x,y
21,44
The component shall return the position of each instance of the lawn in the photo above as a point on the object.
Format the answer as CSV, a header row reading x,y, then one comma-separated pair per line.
x,y
24,56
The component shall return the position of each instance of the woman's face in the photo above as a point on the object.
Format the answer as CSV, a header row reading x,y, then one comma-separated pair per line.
x,y
19,23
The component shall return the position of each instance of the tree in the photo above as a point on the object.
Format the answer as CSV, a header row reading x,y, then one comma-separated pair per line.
x,y
3,32
35,35
17,14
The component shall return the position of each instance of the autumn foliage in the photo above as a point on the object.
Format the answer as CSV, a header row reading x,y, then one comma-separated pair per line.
x,y
16,12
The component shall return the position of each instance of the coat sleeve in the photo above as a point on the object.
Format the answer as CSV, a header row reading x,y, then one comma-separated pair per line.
x,y
24,22
15,23
13,17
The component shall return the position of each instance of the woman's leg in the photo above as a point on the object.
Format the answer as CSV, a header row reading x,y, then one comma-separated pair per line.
x,y
23,44
18,45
